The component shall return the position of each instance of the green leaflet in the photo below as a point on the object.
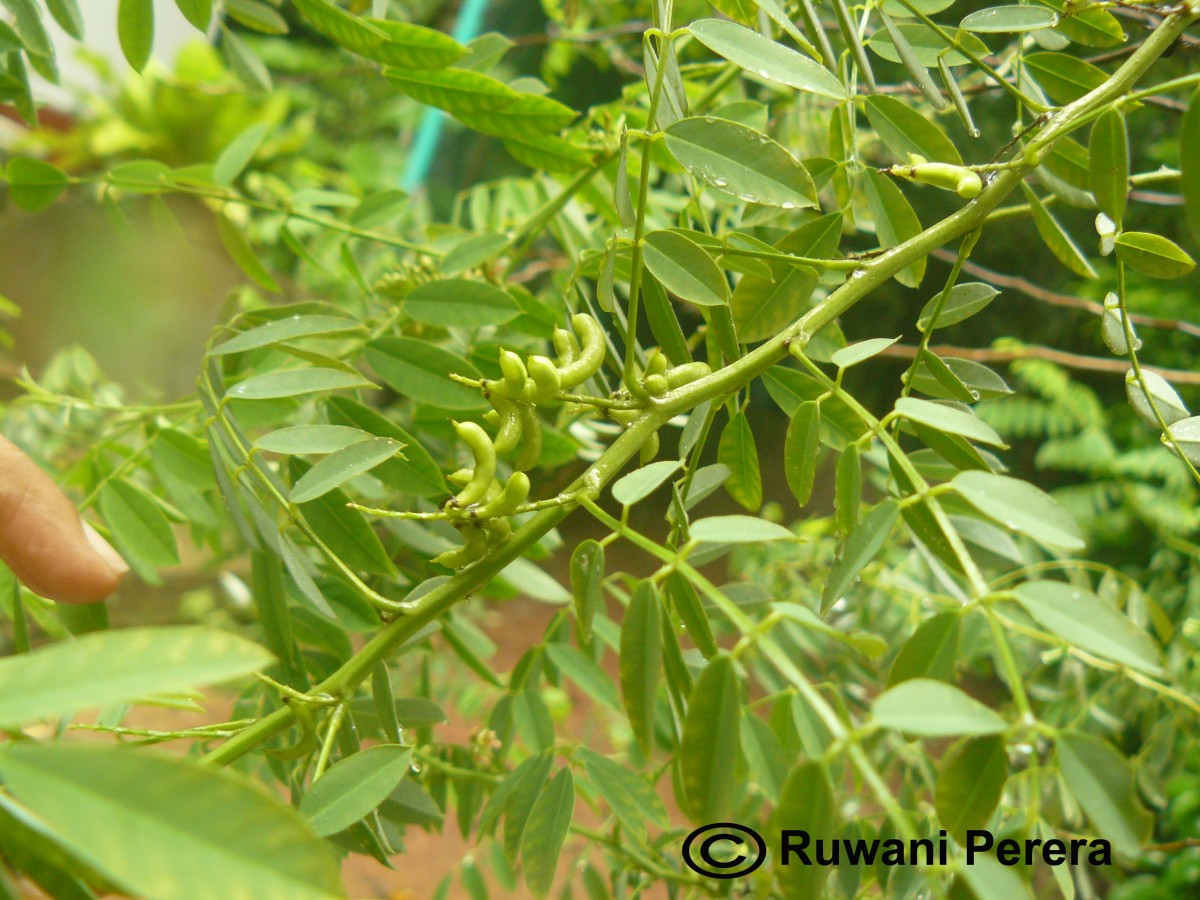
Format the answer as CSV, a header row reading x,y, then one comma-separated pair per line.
x,y
903,130
1009,19
970,782
455,90
416,473
354,786
197,12
738,452
640,662
929,708
741,161
762,307
139,528
895,221
135,29
1189,164
419,370
1021,507
1108,154
546,831
288,329
1153,255
1064,78
801,450
114,666
685,269
460,303
1082,619
1103,783
1060,243
859,549
765,58
34,184
341,466
165,827
711,738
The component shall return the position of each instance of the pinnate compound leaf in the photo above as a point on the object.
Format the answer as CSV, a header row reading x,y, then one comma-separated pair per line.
x,y
354,786
113,666
165,827
1020,507
930,708
741,161
1085,621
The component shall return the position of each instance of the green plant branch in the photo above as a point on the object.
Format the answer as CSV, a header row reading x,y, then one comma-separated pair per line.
x,y
430,606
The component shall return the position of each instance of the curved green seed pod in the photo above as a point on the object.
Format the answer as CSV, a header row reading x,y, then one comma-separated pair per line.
x,y
686,374
497,529
565,346
474,548
546,379
656,385
505,503
657,363
531,440
460,477
650,448
508,434
484,453
512,385
591,352
964,182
